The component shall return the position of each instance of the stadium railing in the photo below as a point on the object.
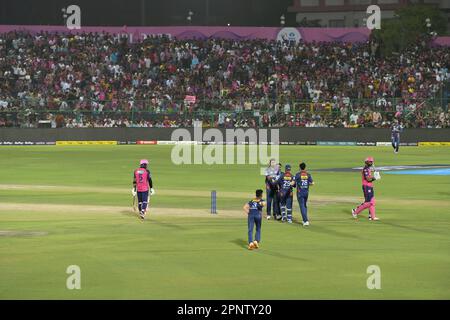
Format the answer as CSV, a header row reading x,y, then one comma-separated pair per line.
x,y
213,112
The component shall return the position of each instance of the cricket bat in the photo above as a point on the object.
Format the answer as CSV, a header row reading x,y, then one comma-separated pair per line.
x,y
134,203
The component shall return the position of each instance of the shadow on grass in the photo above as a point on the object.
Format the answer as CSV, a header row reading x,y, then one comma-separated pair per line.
x,y
240,243
129,213
167,225
279,255
321,229
148,216
243,244
396,225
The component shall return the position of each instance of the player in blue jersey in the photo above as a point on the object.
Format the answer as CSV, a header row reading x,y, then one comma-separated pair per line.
x,y
286,183
253,209
303,181
396,128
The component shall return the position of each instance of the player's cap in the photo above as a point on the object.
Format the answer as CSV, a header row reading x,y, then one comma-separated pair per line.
x,y
143,161
369,159
287,167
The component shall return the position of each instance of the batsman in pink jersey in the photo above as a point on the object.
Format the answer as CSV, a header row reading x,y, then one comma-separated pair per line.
x,y
368,177
142,184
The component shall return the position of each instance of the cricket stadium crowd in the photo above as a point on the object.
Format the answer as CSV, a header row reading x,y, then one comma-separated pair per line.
x,y
101,80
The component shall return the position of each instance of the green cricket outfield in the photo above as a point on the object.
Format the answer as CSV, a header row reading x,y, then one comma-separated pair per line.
x,y
71,205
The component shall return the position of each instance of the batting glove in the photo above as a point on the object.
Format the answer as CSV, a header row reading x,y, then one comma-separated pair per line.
x,y
152,191
133,192
377,175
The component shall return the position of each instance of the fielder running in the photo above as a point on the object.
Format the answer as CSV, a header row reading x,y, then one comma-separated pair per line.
x,y
368,177
286,183
254,211
303,181
142,182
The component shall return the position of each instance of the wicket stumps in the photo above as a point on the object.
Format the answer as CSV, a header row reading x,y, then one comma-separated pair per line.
x,y
214,202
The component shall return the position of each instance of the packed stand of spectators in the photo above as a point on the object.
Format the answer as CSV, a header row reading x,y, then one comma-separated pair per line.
x,y
100,80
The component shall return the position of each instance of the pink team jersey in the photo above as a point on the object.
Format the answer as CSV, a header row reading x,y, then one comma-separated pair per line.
x,y
366,173
141,175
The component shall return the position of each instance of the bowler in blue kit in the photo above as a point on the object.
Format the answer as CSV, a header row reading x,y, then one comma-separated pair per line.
x,y
253,209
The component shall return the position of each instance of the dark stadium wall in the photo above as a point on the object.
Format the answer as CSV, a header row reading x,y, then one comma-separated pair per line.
x,y
148,12
285,135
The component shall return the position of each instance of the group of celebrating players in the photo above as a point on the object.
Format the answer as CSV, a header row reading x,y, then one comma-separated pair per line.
x,y
279,191
280,197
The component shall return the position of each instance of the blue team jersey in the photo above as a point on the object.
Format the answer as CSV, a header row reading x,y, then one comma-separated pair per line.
x,y
285,181
302,181
396,129
255,206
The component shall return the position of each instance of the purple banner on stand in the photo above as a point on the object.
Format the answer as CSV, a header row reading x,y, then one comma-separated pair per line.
x,y
191,32
351,35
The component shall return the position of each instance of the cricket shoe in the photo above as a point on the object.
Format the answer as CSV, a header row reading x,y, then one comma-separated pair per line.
x,y
289,221
374,219
354,214
255,244
142,215
278,217
305,224
268,217
283,219
251,246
